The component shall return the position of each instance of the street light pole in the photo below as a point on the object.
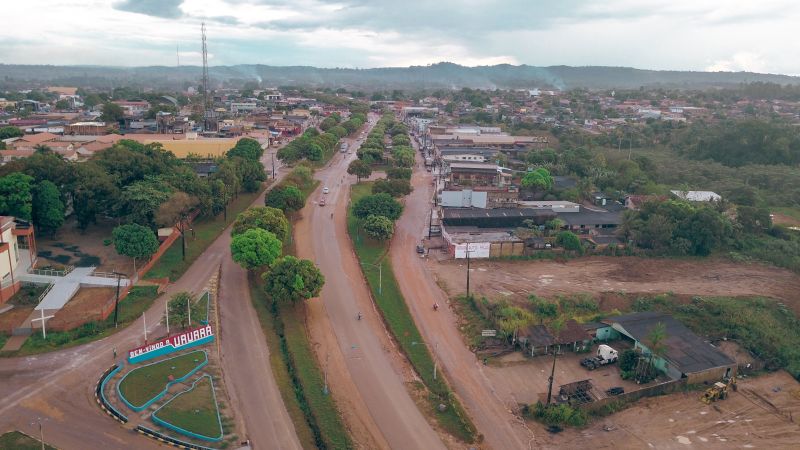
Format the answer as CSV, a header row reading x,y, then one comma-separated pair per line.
x,y
116,300
273,165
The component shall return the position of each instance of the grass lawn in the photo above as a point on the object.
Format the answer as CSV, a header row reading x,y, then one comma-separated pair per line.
x,y
794,213
14,440
396,314
144,383
207,229
194,410
130,309
3,339
200,308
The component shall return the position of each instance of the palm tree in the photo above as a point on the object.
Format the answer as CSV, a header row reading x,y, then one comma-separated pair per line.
x,y
655,342
41,148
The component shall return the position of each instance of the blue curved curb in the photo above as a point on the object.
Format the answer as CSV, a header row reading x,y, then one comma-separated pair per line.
x,y
161,394
186,432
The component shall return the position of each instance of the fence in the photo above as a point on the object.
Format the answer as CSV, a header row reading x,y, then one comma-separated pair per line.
x,y
667,387
169,440
52,272
100,396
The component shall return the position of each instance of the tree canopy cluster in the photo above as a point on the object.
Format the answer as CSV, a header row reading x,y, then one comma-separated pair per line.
x,y
131,182
737,143
313,145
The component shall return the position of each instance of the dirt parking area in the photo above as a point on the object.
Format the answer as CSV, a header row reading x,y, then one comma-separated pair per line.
x,y
759,415
596,275
528,377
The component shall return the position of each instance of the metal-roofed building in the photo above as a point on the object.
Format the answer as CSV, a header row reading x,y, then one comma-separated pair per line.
x,y
686,354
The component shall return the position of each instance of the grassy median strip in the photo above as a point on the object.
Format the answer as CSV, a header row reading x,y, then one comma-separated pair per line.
x,y
399,320
316,419
206,231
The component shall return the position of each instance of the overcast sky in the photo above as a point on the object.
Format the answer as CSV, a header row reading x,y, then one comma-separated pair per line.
x,y
730,35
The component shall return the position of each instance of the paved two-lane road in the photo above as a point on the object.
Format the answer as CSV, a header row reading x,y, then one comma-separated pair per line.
x,y
362,343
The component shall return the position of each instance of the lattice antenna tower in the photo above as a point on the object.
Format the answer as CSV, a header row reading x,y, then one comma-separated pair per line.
x,y
205,75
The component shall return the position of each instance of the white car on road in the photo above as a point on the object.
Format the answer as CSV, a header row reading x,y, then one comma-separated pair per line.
x,y
325,190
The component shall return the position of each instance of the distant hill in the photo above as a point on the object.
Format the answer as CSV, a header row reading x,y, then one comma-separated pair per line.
x,y
441,75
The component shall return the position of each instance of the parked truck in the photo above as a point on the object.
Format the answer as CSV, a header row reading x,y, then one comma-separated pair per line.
x,y
605,355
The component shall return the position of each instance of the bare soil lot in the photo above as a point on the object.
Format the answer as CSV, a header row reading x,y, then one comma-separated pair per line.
x,y
79,247
87,303
528,377
760,415
515,280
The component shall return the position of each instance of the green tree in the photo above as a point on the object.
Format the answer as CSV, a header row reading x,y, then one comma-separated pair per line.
x,y
246,148
753,220
140,201
569,241
360,169
265,218
403,173
15,195
179,306
378,227
176,207
395,188
251,173
511,318
47,207
255,248
538,180
112,113
293,280
135,241
10,132
286,198
93,192
378,204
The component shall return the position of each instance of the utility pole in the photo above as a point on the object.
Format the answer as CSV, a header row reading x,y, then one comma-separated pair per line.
x,y
468,270
552,374
183,236
189,311
166,312
273,165
116,300
430,223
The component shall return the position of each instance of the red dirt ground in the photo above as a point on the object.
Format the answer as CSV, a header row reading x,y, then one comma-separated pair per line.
x,y
609,276
87,302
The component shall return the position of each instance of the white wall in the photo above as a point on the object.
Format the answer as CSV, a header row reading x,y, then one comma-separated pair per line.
x,y
466,198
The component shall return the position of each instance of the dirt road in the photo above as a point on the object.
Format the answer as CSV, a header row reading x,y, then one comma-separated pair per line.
x,y
383,406
489,407
518,279
58,387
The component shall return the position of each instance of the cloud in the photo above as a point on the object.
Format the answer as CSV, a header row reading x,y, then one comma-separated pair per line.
x,y
167,9
740,62
656,34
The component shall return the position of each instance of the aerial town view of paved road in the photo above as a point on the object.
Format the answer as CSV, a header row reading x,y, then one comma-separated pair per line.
x,y
255,224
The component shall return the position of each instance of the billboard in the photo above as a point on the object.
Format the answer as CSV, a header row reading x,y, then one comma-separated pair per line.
x,y
476,250
187,339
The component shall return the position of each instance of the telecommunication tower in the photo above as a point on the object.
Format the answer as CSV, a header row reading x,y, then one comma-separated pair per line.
x,y
206,99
